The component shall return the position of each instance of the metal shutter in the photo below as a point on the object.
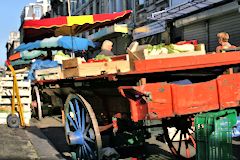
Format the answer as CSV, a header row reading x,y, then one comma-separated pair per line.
x,y
196,31
229,23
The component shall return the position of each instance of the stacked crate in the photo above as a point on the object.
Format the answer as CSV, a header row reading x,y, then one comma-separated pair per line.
x,y
6,90
76,68
49,74
214,134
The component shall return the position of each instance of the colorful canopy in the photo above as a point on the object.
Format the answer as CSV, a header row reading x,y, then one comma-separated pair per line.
x,y
61,42
27,55
69,25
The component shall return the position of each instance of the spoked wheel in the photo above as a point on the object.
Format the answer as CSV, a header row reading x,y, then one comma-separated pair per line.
x,y
81,128
179,134
36,102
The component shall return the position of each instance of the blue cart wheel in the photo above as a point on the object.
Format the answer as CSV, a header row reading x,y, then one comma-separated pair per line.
x,y
81,128
13,121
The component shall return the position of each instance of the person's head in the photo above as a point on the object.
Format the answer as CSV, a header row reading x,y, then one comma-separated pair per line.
x,y
223,37
107,45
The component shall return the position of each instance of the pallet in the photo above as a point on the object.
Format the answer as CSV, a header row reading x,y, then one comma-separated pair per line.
x,y
3,117
48,74
8,92
21,84
7,100
7,107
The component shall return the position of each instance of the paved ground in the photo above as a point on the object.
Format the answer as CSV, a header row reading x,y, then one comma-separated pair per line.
x,y
24,144
46,140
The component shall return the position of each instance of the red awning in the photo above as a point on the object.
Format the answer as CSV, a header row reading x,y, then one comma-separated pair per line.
x,y
69,25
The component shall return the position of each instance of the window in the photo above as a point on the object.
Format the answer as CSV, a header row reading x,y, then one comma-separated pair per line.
x,y
129,5
37,11
141,4
98,7
91,9
177,2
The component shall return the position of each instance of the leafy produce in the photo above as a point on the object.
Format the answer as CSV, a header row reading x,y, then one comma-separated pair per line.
x,y
103,57
167,49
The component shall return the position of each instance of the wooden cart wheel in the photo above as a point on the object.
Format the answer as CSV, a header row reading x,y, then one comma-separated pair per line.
x,y
179,134
37,101
81,128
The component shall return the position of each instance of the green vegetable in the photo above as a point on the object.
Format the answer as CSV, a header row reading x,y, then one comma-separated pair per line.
x,y
103,57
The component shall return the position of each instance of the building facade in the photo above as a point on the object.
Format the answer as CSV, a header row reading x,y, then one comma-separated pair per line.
x,y
204,25
35,10
13,42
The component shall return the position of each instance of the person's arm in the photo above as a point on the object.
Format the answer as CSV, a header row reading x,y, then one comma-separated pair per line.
x,y
218,49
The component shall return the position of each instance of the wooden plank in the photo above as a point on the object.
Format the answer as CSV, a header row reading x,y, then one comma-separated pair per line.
x,y
72,63
18,76
7,108
18,71
24,100
20,84
8,92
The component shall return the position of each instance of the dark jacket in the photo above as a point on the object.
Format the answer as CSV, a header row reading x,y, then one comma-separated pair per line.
x,y
106,53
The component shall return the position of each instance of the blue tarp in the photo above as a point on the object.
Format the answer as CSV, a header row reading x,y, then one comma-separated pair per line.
x,y
63,42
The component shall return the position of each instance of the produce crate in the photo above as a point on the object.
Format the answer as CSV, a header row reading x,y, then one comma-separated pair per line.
x,y
75,68
199,50
117,67
49,73
136,52
213,131
84,70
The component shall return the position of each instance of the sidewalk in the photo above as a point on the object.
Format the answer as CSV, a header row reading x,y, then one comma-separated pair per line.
x,y
24,144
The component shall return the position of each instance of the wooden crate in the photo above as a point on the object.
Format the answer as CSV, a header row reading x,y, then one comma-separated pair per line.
x,y
199,50
117,66
85,69
48,74
138,54
72,63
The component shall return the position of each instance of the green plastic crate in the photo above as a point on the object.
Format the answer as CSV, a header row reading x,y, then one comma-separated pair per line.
x,y
213,132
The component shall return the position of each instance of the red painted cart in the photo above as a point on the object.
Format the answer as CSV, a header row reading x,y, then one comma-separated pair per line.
x,y
148,93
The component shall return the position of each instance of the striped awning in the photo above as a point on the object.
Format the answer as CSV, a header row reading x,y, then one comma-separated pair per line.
x,y
69,25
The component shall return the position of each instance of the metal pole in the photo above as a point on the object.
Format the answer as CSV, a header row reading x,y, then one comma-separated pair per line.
x,y
69,14
69,8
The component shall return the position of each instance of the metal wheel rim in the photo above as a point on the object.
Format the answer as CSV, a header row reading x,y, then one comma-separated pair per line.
x,y
13,121
186,140
89,150
38,99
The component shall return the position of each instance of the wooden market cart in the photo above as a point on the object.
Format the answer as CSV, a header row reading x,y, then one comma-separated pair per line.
x,y
150,92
